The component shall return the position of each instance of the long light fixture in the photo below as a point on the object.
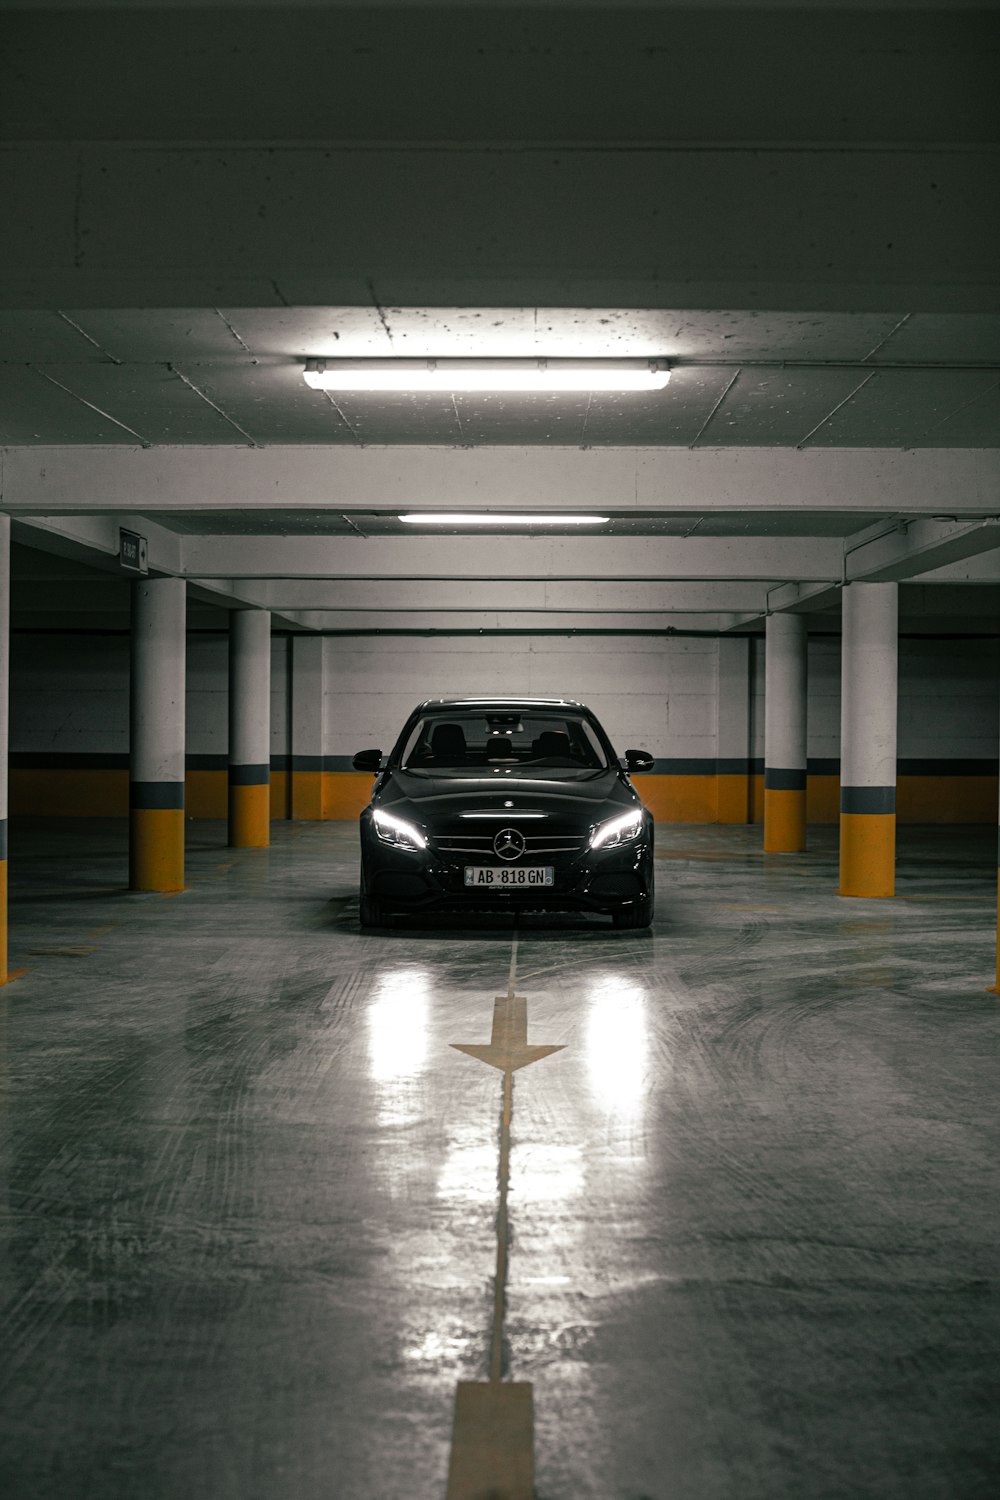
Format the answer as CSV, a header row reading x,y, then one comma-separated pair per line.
x,y
495,518
487,374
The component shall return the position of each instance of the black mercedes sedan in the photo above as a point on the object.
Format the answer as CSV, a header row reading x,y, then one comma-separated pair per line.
x,y
494,804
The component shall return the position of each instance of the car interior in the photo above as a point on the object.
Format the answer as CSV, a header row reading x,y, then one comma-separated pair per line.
x,y
447,745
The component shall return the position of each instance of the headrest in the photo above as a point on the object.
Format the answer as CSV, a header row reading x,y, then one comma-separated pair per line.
x,y
447,740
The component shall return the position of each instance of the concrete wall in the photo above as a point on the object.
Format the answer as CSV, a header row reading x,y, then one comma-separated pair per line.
x,y
947,730
69,717
654,693
70,709
651,692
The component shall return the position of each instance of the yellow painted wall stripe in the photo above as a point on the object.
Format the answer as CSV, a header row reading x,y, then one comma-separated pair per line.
x,y
307,795
342,794
280,795
679,799
345,793
733,798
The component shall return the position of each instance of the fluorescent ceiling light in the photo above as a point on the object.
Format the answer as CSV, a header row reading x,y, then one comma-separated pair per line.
x,y
495,518
487,374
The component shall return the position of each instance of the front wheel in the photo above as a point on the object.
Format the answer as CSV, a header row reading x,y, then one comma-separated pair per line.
x,y
638,915
372,913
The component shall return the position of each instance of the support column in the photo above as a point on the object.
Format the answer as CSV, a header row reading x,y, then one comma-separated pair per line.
x,y
785,683
995,988
156,756
868,740
4,729
250,728
733,764
306,759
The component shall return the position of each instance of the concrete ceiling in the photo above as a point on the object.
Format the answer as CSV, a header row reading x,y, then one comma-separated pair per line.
x,y
234,375
796,204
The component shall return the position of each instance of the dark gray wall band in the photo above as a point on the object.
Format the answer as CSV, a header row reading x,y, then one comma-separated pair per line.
x,y
318,762
156,796
3,838
868,799
75,760
776,780
249,775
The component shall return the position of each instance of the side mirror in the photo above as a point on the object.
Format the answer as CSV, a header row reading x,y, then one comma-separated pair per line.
x,y
638,760
367,760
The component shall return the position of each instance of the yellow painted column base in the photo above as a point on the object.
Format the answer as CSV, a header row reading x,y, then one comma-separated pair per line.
x,y
307,796
3,921
249,817
156,849
784,821
868,854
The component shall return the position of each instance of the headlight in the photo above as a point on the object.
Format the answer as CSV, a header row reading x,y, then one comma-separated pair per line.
x,y
620,830
393,830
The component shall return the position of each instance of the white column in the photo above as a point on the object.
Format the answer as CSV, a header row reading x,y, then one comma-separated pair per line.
x,y
306,748
868,739
156,752
733,766
785,687
249,728
4,729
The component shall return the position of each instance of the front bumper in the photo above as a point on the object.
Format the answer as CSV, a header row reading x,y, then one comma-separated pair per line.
x,y
597,880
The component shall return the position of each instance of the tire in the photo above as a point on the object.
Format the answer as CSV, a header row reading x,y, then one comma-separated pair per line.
x,y
373,914
638,915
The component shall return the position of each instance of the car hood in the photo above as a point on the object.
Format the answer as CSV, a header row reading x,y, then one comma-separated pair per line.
x,y
429,795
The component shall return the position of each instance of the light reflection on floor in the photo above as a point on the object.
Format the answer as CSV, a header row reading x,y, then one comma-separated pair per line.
x,y
617,1044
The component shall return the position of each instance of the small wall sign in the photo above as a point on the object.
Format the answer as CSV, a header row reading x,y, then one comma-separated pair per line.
x,y
133,552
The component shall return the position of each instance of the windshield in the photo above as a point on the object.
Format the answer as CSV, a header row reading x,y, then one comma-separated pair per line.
x,y
546,738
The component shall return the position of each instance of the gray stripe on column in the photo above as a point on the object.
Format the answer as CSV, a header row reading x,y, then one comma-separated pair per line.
x,y
156,796
868,799
249,775
776,780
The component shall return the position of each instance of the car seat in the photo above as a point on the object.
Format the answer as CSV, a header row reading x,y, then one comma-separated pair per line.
x,y
552,743
448,745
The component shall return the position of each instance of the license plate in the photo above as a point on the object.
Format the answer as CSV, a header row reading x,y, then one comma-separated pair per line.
x,y
507,877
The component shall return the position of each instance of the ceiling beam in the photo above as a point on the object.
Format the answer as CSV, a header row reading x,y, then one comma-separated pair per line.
x,y
489,621
545,558
620,481
913,548
439,596
94,539
983,567
897,551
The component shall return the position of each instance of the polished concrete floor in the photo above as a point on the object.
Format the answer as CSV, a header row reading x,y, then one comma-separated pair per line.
x,y
248,1190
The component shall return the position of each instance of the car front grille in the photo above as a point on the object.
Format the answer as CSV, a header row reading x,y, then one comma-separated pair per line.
x,y
534,844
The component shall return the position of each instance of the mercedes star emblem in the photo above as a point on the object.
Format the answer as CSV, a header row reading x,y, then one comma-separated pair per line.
x,y
509,844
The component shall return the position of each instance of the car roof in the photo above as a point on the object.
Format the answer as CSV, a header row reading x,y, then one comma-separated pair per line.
x,y
500,703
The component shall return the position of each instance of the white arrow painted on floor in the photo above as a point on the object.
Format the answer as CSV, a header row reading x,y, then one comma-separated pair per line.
x,y
507,1048
493,1445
